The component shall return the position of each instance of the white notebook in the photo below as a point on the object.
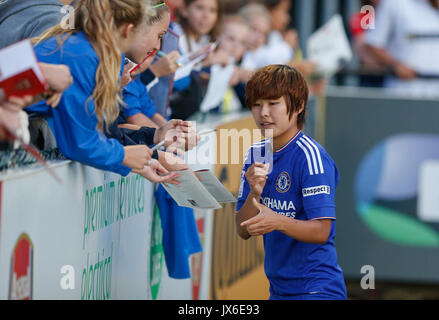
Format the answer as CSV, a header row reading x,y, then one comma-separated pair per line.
x,y
206,193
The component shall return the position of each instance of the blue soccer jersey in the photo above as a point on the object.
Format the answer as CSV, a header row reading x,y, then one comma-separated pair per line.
x,y
301,186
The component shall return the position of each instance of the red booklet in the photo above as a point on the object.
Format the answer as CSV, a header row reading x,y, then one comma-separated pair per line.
x,y
20,74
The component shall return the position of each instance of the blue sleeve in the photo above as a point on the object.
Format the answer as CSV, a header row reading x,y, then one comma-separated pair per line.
x,y
132,101
75,121
319,180
182,84
148,107
147,77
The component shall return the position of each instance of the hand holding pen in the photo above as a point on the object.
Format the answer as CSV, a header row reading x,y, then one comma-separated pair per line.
x,y
167,64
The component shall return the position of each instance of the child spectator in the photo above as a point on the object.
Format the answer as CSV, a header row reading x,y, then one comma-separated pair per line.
x,y
277,49
200,22
234,41
234,37
259,21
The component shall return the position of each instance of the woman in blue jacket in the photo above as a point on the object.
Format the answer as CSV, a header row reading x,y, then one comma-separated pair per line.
x,y
94,52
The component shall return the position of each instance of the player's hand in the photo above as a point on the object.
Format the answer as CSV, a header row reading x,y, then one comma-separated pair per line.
x,y
156,173
265,222
256,177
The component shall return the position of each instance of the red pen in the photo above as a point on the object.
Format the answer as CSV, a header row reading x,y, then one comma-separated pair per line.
x,y
138,66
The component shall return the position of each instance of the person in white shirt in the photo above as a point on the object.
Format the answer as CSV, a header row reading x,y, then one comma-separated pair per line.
x,y
259,21
280,51
267,45
200,21
406,41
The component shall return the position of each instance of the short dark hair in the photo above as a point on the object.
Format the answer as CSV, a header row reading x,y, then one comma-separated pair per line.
x,y
275,82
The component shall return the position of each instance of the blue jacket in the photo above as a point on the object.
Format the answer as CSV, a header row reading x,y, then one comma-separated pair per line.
x,y
137,99
74,121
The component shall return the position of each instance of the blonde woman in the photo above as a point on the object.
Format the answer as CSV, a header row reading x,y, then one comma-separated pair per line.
x,y
94,51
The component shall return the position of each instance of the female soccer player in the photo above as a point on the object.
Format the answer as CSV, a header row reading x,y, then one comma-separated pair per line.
x,y
293,207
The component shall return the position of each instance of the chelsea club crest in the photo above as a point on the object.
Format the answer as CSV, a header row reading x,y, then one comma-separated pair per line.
x,y
283,182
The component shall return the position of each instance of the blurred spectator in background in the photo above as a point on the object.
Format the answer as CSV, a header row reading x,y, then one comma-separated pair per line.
x,y
406,42
232,7
25,19
370,67
234,38
283,43
174,5
234,35
234,41
259,21
273,42
278,50
200,21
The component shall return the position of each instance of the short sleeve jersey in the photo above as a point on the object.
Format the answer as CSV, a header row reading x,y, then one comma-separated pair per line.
x,y
301,186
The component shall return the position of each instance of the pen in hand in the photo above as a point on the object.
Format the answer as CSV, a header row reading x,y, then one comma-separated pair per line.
x,y
161,54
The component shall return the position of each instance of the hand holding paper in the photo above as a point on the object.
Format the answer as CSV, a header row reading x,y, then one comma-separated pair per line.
x,y
190,60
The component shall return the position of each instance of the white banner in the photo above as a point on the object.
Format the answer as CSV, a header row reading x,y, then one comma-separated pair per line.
x,y
93,237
